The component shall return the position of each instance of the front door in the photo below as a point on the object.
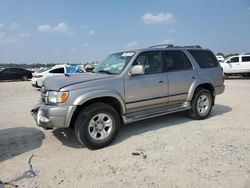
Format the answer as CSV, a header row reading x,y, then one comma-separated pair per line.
x,y
149,90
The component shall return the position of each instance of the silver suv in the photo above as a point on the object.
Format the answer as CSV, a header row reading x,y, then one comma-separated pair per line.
x,y
131,86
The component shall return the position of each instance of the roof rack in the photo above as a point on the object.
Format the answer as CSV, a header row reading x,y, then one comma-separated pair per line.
x,y
172,46
162,45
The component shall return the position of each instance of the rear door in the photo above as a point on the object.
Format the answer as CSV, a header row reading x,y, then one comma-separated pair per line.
x,y
245,64
17,73
180,75
149,90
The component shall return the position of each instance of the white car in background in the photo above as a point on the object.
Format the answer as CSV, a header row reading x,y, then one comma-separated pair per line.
x,y
237,65
41,75
220,58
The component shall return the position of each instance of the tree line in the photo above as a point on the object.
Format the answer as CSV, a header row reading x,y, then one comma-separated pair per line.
x,y
226,55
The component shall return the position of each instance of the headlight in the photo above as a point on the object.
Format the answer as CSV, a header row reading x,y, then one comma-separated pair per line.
x,y
57,96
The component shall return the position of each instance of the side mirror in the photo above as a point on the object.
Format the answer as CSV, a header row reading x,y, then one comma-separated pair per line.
x,y
137,70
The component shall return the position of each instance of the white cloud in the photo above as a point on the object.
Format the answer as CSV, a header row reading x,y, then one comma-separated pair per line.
x,y
59,28
168,41
84,45
14,26
62,28
1,26
92,32
165,18
45,28
24,35
6,39
132,44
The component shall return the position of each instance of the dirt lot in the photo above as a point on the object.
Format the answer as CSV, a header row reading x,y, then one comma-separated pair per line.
x,y
173,151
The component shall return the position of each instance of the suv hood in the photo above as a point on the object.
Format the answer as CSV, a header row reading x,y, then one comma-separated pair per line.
x,y
59,81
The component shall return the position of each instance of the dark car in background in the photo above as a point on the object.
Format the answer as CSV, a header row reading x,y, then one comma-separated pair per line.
x,y
15,74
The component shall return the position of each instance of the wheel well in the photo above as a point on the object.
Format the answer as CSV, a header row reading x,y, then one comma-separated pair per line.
x,y
108,100
208,87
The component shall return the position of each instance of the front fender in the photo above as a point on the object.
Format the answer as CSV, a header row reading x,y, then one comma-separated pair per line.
x,y
99,94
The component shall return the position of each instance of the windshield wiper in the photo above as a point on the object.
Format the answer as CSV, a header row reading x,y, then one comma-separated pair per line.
x,y
104,71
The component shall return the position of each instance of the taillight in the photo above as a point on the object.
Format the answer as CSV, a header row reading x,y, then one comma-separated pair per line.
x,y
38,76
222,77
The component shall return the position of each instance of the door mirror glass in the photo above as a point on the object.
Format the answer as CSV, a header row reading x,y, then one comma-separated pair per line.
x,y
137,70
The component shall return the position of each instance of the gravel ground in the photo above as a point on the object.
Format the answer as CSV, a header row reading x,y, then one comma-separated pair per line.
x,y
168,151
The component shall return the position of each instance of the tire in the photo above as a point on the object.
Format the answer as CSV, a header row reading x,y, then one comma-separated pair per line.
x,y
97,125
25,78
201,104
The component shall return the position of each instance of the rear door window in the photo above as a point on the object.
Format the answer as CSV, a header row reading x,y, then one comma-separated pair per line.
x,y
204,58
175,61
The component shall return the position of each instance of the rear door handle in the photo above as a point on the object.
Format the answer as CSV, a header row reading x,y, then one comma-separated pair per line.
x,y
193,77
160,81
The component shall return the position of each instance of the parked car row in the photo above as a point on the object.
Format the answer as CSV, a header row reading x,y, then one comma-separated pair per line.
x,y
39,77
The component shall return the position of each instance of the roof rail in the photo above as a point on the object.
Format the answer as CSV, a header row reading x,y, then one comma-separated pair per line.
x,y
162,45
172,46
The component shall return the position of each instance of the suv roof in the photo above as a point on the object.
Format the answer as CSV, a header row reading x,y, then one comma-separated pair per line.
x,y
169,47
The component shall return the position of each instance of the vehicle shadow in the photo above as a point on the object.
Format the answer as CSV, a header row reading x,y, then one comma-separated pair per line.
x,y
67,136
15,141
175,119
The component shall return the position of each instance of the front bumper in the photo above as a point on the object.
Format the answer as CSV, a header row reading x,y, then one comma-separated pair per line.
x,y
48,116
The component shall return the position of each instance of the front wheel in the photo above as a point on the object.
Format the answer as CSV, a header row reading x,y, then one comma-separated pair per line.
x,y
201,104
97,125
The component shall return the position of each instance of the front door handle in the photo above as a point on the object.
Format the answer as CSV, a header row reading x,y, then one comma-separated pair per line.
x,y
160,81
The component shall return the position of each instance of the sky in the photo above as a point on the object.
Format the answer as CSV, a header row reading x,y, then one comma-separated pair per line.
x,y
80,31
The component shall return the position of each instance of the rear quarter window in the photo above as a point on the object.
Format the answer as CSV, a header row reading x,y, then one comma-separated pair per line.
x,y
204,58
245,58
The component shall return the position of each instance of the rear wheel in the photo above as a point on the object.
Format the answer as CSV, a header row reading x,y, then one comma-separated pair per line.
x,y
201,104
97,125
25,78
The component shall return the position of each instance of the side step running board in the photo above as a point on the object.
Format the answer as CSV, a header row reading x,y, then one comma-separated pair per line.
x,y
129,119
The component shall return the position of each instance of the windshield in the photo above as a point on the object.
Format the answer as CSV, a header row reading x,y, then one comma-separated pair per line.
x,y
115,63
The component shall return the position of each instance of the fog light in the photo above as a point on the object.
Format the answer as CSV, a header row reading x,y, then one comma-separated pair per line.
x,y
44,119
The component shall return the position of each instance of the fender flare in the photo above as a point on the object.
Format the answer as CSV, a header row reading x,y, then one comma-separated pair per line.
x,y
194,85
99,94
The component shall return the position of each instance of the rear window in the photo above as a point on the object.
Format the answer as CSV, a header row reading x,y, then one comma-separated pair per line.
x,y
204,58
245,58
